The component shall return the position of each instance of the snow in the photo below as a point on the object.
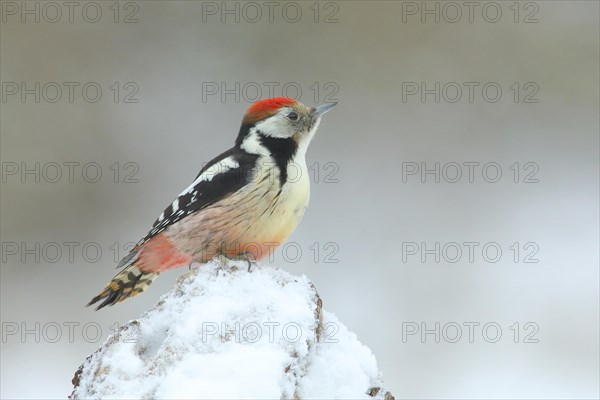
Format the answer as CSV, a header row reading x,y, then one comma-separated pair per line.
x,y
224,332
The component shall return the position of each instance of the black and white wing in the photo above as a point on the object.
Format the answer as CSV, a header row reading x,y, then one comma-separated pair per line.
x,y
222,176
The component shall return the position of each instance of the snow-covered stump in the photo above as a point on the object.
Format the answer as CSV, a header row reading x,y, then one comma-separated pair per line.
x,y
224,332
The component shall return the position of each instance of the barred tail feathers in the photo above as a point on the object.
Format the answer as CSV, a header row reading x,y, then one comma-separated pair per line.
x,y
127,283
141,267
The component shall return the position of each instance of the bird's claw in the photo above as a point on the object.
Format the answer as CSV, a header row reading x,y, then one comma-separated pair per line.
x,y
198,260
247,256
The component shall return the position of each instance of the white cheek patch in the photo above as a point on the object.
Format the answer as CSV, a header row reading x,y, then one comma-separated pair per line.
x,y
276,126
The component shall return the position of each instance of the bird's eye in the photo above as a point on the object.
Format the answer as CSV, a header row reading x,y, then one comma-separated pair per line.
x,y
292,116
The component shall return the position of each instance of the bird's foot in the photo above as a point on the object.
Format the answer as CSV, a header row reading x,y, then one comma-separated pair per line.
x,y
247,256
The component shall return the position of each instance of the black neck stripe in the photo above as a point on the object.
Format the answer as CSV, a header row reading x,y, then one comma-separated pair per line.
x,y
282,150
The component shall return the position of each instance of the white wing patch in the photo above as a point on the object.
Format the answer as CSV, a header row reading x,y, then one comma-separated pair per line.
x,y
220,167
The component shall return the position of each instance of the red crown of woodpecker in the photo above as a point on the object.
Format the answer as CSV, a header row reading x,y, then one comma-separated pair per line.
x,y
265,108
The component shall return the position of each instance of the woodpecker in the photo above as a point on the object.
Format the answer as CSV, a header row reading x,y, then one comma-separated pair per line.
x,y
242,204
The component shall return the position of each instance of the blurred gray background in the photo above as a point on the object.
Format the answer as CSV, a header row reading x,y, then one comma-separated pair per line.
x,y
369,55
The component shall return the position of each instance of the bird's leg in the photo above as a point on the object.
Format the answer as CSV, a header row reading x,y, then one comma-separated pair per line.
x,y
250,258
247,256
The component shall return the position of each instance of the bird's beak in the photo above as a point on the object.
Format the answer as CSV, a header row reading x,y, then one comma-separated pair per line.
x,y
322,109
